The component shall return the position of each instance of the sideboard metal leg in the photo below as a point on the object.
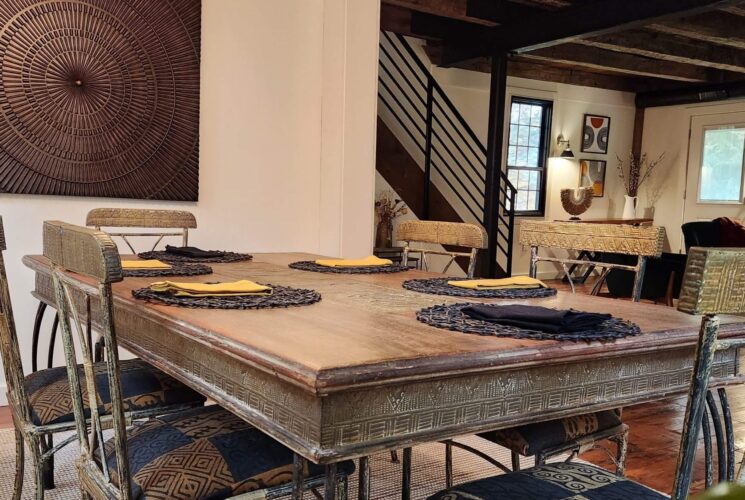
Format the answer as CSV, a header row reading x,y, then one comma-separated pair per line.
x,y
329,489
719,435
727,418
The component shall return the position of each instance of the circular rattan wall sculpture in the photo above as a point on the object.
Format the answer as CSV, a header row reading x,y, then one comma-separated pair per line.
x,y
100,98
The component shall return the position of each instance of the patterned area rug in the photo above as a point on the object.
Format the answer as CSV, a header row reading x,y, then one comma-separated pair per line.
x,y
427,471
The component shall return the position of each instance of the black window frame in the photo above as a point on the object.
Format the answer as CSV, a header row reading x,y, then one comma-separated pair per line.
x,y
543,151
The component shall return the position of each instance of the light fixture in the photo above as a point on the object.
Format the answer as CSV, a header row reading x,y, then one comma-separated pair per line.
x,y
566,152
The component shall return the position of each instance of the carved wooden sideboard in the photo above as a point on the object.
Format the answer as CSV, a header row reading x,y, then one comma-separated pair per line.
x,y
357,373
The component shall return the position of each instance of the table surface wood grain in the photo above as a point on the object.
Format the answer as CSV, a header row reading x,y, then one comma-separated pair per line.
x,y
363,335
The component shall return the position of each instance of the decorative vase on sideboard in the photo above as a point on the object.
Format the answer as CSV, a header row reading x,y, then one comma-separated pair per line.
x,y
629,207
384,234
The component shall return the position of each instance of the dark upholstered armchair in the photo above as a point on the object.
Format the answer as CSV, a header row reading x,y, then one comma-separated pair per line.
x,y
701,234
661,281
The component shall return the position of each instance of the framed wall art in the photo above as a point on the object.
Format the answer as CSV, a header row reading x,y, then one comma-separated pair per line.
x,y
595,133
592,174
100,98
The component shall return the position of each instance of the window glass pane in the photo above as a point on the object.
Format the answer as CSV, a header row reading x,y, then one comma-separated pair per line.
x,y
525,114
532,157
722,164
523,136
513,134
511,155
522,157
522,200
515,113
535,137
532,200
523,180
534,176
536,115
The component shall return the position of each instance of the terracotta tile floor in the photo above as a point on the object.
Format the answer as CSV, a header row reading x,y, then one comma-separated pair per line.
x,y
653,442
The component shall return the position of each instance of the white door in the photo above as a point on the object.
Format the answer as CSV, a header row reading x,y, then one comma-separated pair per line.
x,y
716,168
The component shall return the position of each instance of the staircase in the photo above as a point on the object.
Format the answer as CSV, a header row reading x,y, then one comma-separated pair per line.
x,y
429,154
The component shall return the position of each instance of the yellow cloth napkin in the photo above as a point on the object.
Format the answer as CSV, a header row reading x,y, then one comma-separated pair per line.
x,y
231,289
367,261
144,264
515,282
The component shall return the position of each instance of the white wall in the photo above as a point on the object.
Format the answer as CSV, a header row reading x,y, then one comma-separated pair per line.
x,y
469,91
287,133
666,130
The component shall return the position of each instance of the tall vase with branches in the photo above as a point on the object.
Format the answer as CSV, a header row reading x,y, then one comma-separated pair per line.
x,y
633,175
387,208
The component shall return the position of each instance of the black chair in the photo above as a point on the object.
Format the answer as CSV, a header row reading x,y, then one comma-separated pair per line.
x,y
709,272
701,234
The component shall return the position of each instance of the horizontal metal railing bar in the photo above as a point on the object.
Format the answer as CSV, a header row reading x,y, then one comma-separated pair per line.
x,y
457,177
398,103
452,188
416,107
462,168
422,98
455,143
477,154
422,70
398,118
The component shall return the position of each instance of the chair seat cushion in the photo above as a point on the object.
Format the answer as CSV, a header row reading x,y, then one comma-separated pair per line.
x,y
531,439
143,387
552,482
202,453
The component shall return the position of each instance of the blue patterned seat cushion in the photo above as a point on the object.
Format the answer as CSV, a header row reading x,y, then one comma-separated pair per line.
x,y
204,453
143,387
531,439
558,481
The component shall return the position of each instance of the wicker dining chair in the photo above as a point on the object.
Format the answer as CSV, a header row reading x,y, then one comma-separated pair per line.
x,y
199,453
447,234
712,285
177,221
40,402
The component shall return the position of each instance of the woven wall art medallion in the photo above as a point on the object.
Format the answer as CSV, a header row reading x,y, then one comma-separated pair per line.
x,y
100,98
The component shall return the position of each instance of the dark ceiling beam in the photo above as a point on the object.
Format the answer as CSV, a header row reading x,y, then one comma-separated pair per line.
x,y
570,76
737,11
595,19
670,48
454,9
690,95
721,28
498,11
627,64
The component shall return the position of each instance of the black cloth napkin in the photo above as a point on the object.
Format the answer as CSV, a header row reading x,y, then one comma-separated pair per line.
x,y
536,318
194,252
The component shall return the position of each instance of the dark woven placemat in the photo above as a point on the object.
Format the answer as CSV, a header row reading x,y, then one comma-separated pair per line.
x,y
282,296
439,286
171,257
175,270
309,265
451,317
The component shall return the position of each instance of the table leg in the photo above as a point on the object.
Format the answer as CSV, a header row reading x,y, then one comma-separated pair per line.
x,y
35,335
329,490
406,475
363,493
639,279
298,476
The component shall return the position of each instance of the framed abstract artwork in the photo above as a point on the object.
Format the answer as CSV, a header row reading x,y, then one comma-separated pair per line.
x,y
595,132
592,174
100,98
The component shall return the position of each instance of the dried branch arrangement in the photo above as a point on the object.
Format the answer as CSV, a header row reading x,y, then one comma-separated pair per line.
x,y
638,171
388,207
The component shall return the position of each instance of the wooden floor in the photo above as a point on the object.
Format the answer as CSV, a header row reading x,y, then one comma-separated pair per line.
x,y
653,442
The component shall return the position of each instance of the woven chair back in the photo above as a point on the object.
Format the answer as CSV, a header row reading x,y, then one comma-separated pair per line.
x,y
166,220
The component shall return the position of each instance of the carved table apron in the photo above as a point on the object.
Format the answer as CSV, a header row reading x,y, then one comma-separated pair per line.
x,y
357,373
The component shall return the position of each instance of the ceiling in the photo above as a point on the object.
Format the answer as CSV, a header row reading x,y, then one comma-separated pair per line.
x,y
638,46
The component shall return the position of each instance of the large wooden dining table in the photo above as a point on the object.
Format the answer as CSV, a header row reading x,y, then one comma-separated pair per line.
x,y
357,373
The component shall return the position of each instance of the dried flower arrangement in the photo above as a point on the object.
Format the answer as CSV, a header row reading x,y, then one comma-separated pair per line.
x,y
639,170
388,207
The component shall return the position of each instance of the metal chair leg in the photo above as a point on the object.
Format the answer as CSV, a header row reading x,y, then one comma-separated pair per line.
x,y
35,335
329,488
515,461
298,477
622,442
448,465
47,443
38,468
20,448
394,456
406,475
363,492
342,488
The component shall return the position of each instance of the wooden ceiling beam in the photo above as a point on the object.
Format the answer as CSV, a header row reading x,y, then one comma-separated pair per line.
x,y
670,48
720,28
628,64
498,11
454,9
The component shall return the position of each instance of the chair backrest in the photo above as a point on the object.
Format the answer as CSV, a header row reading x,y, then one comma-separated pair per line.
x,y
85,263
645,241
459,234
714,283
9,350
701,234
143,218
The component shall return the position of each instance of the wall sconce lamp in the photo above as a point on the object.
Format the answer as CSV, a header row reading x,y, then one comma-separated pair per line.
x,y
565,148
